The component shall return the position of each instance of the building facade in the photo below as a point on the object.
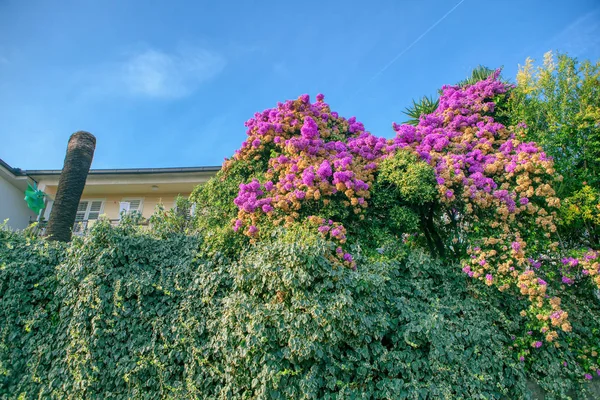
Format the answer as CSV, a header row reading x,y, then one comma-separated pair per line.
x,y
109,192
13,208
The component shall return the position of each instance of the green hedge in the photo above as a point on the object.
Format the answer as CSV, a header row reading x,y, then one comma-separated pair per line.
x,y
123,313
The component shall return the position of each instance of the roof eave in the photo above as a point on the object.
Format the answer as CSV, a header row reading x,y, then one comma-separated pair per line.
x,y
129,171
14,171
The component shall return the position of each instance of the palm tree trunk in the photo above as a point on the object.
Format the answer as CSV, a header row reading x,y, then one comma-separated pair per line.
x,y
78,160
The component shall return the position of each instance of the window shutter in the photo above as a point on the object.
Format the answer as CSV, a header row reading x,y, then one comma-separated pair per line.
x,y
82,206
124,206
135,205
87,210
81,209
95,208
131,205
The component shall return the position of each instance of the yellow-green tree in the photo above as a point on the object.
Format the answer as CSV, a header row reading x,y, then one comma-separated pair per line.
x,y
559,103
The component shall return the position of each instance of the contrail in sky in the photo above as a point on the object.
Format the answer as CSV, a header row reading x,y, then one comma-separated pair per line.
x,y
410,46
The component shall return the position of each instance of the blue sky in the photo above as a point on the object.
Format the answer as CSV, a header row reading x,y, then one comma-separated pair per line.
x,y
165,84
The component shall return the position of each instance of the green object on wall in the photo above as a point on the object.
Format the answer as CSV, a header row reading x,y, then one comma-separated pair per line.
x,y
34,198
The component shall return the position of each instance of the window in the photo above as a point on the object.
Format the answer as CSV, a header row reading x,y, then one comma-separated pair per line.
x,y
131,205
89,209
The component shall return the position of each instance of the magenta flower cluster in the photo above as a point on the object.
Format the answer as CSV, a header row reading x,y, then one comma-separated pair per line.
x,y
472,154
313,155
587,266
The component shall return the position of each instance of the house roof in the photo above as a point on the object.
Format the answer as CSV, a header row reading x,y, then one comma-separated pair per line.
x,y
132,180
15,176
14,171
112,171
128,171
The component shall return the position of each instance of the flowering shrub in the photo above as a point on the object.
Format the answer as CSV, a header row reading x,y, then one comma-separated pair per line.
x,y
578,268
316,163
499,191
318,167
491,202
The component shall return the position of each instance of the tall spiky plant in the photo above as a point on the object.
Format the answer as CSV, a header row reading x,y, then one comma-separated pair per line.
x,y
479,73
426,105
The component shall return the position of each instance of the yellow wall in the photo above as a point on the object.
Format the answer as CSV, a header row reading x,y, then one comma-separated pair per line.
x,y
111,202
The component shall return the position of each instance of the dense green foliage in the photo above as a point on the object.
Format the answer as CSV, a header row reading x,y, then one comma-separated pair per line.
x,y
403,204
128,314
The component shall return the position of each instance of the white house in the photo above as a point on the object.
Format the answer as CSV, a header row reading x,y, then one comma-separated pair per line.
x,y
13,183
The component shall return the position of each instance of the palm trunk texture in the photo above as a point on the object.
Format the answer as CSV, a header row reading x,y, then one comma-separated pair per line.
x,y
78,160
